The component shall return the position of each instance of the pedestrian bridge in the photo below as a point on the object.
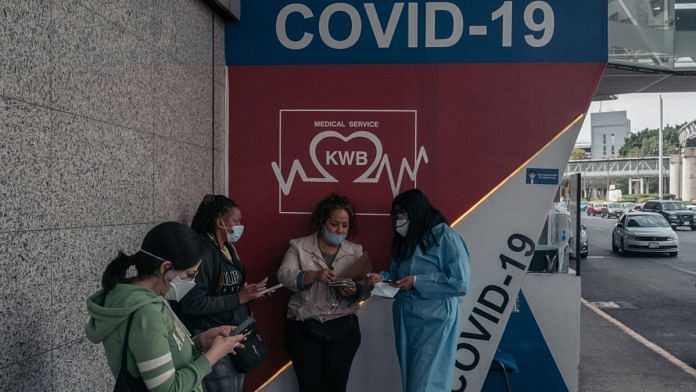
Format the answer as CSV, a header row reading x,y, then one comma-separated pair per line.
x,y
687,132
618,167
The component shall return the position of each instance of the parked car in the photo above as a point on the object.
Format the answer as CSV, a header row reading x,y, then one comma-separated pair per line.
x,y
691,207
595,208
628,206
612,210
584,248
675,212
644,232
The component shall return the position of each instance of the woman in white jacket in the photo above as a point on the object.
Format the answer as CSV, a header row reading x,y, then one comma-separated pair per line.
x,y
322,328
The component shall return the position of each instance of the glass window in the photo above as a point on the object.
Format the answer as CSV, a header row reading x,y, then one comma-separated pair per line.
x,y
674,205
647,221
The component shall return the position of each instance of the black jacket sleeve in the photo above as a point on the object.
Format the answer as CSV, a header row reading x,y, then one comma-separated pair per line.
x,y
201,300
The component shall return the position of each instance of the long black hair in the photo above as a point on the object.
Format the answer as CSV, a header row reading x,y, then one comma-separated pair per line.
x,y
334,201
211,208
169,240
422,216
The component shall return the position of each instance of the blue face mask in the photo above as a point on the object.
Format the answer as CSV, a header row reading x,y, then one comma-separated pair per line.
x,y
333,238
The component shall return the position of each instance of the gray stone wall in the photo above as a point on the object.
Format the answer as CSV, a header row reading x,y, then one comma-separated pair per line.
x,y
111,120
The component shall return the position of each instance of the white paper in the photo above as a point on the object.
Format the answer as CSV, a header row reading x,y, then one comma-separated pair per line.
x,y
385,290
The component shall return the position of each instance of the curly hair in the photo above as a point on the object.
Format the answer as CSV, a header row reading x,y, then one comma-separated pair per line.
x,y
332,202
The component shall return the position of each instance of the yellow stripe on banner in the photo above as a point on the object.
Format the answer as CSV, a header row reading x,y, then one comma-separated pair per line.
x,y
522,166
273,377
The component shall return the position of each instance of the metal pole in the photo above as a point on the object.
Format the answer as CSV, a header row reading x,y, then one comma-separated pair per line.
x,y
578,228
659,166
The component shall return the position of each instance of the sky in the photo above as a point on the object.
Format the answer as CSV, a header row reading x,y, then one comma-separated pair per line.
x,y
644,110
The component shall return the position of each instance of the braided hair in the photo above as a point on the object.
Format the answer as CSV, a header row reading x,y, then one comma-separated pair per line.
x,y
211,208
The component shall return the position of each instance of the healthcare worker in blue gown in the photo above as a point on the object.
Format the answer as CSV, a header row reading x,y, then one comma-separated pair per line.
x,y
430,265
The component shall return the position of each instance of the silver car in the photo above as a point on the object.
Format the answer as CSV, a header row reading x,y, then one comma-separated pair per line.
x,y
612,210
644,232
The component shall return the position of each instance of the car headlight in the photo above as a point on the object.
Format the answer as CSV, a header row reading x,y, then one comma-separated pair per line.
x,y
630,237
672,237
674,217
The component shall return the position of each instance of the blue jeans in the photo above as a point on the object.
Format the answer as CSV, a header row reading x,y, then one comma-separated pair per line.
x,y
224,377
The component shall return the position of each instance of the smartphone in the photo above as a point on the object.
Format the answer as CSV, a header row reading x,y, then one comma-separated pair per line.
x,y
244,326
270,289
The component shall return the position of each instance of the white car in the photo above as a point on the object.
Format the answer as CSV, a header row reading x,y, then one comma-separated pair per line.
x,y
644,232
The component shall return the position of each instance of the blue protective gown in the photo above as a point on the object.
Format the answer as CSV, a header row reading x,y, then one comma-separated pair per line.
x,y
426,318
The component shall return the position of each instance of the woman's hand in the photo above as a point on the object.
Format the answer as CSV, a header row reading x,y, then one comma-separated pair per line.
x,y
223,345
348,292
405,283
250,292
373,279
207,337
324,275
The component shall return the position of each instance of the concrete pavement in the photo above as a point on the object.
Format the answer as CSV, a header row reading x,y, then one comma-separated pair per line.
x,y
613,361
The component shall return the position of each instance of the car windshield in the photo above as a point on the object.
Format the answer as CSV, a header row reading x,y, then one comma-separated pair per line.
x,y
614,205
673,206
647,221
629,205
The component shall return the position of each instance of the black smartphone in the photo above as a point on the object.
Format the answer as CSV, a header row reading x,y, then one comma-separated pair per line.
x,y
244,326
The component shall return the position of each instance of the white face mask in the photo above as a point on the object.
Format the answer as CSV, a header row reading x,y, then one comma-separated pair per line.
x,y
401,226
179,288
236,233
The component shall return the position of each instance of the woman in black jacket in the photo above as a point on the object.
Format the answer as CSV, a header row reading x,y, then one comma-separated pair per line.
x,y
221,295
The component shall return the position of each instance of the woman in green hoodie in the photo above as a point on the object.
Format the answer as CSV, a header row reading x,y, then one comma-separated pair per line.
x,y
161,354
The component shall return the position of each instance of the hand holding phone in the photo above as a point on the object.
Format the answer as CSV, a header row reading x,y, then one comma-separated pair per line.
x,y
244,326
269,290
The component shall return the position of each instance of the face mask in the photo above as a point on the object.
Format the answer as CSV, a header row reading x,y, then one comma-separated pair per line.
x,y
333,238
236,233
179,288
401,226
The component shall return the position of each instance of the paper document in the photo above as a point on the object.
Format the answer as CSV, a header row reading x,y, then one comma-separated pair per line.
x,y
385,290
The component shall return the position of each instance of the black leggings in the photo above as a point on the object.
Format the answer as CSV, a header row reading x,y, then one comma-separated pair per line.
x,y
322,366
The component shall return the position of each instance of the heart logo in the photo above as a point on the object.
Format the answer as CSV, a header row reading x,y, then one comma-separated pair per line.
x,y
364,177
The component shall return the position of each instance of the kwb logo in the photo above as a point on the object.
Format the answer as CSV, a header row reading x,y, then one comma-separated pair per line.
x,y
363,154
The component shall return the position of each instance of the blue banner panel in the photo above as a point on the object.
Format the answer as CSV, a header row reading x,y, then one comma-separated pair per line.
x,y
540,176
390,32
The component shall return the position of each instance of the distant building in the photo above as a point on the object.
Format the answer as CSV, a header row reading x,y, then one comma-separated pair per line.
x,y
609,131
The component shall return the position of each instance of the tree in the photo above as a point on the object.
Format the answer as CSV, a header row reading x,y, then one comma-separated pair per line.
x,y
578,153
645,143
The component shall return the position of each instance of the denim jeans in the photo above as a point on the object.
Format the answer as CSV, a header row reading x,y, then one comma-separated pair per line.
x,y
224,377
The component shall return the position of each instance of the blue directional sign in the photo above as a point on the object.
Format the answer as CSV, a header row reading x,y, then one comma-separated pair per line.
x,y
539,176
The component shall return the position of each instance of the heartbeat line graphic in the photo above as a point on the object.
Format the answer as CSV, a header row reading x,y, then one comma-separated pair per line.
x,y
384,165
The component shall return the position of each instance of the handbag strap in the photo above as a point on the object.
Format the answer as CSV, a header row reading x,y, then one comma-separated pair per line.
x,y
124,351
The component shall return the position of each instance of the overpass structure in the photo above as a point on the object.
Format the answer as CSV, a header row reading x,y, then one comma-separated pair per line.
x,y
644,167
682,166
686,133
596,173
